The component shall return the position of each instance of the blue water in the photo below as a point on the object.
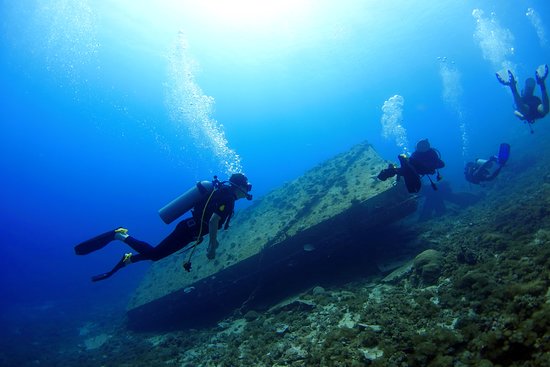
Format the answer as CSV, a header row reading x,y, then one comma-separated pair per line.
x,y
105,118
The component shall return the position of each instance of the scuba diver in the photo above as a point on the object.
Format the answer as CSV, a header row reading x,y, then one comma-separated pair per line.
x,y
529,107
212,205
482,170
425,160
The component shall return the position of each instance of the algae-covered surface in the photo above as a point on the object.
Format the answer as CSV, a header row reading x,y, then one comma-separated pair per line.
x,y
322,193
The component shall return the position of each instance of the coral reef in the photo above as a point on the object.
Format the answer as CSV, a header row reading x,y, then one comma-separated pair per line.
x,y
427,266
477,294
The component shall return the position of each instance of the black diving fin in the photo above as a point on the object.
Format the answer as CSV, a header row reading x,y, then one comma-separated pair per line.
x,y
126,259
94,244
97,278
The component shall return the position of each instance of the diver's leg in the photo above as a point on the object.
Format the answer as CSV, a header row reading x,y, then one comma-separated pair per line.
x,y
185,232
522,108
126,259
145,252
387,172
137,245
148,252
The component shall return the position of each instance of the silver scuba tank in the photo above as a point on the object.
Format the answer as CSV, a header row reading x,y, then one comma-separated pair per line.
x,y
185,202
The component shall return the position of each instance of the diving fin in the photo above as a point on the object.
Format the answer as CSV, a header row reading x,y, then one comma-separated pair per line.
x,y
540,79
94,244
503,153
97,278
125,260
511,79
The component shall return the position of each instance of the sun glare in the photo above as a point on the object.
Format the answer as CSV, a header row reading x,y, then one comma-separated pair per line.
x,y
249,14
252,12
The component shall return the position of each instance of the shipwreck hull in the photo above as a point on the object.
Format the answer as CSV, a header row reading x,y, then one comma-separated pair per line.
x,y
308,232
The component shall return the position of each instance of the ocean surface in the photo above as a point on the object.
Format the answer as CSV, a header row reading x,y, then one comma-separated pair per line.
x,y
110,109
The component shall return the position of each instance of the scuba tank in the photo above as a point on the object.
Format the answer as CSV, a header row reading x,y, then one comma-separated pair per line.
x,y
186,201
486,168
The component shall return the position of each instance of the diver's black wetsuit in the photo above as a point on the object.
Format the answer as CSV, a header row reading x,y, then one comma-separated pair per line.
x,y
426,163
534,114
222,203
186,231
419,164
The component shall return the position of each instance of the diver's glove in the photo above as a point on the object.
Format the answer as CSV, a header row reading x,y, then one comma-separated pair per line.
x,y
540,79
511,79
211,254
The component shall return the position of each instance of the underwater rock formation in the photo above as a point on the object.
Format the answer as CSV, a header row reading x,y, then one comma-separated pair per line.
x,y
428,266
306,226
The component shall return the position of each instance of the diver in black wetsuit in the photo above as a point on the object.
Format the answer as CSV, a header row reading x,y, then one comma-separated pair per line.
x,y
529,107
208,216
425,160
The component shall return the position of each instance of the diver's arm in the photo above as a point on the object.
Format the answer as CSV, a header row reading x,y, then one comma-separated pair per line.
x,y
544,107
477,175
213,235
481,169
494,174
486,167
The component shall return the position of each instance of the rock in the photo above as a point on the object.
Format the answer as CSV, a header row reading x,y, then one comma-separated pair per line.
x,y
295,353
349,320
392,264
318,291
96,341
281,329
371,354
373,327
428,266
294,304
398,273
251,315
